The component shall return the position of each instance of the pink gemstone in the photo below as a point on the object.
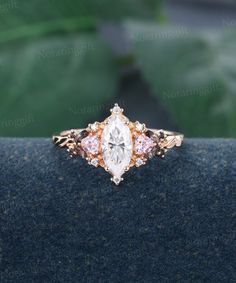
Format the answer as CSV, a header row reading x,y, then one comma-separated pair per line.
x,y
143,144
90,145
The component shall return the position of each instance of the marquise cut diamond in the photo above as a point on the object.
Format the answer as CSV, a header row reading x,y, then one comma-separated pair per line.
x,y
117,146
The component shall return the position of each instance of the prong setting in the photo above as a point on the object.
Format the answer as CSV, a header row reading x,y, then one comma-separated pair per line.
x,y
116,109
140,127
117,180
117,144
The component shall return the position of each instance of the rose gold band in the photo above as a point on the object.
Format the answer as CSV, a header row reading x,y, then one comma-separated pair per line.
x,y
170,139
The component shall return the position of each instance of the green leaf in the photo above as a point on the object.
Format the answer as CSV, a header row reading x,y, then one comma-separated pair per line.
x,y
53,84
17,13
192,72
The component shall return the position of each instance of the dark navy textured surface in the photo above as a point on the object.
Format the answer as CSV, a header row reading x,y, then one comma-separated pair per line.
x,y
173,220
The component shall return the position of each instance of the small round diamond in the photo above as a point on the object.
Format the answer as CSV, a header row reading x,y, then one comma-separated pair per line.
x,y
117,180
116,109
143,144
140,127
139,162
90,145
94,162
93,127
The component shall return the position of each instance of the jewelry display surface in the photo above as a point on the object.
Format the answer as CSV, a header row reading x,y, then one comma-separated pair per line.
x,y
63,221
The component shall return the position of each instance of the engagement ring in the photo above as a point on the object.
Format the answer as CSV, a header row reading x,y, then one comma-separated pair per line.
x,y
117,144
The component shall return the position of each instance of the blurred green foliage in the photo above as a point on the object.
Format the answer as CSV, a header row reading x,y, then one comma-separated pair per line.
x,y
56,72
24,13
193,72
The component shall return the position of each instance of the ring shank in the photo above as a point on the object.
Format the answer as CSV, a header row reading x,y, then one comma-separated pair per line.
x,y
171,138
155,131
168,133
68,132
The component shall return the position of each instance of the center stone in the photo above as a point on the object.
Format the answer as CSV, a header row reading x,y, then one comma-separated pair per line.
x,y
117,146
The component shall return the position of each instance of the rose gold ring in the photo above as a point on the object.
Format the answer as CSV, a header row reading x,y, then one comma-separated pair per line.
x,y
117,144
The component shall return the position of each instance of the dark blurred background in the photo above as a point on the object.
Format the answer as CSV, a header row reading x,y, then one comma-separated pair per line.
x,y
171,64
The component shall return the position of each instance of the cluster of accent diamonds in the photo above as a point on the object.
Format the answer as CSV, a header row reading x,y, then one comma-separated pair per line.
x,y
117,144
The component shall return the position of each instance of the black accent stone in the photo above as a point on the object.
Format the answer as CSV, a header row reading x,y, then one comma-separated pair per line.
x,y
81,136
160,152
149,133
161,135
